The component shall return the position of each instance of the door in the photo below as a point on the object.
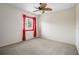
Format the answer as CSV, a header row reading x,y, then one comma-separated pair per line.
x,y
29,27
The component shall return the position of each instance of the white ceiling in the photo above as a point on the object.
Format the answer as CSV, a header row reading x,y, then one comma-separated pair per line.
x,y
31,6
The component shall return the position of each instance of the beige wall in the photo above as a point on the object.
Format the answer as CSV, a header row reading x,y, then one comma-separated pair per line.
x,y
77,27
59,26
11,24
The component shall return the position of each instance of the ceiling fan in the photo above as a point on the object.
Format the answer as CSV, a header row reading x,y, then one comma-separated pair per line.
x,y
43,7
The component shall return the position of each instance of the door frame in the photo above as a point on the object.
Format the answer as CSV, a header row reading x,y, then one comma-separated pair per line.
x,y
24,30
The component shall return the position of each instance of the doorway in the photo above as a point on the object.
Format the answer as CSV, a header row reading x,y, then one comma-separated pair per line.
x,y
29,27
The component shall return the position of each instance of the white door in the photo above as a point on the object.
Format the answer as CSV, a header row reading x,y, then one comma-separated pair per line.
x,y
29,28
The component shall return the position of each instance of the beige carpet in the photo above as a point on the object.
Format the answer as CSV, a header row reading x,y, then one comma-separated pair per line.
x,y
39,47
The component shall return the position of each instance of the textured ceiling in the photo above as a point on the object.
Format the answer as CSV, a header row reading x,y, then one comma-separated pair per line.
x,y
31,6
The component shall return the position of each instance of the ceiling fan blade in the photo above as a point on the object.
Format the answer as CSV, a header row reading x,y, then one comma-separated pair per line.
x,y
36,7
35,10
47,9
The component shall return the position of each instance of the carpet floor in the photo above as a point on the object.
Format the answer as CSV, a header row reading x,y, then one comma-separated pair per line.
x,y
39,47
